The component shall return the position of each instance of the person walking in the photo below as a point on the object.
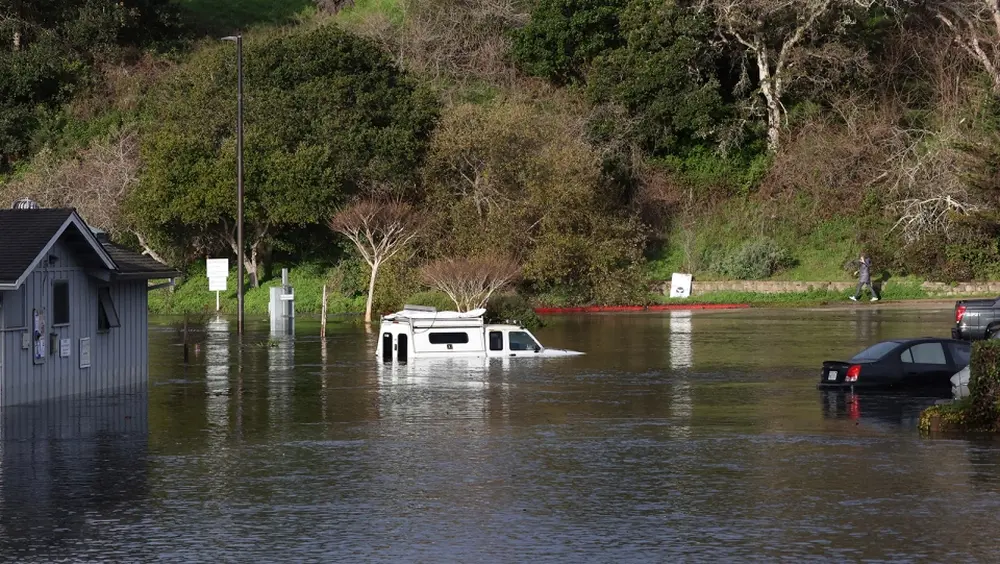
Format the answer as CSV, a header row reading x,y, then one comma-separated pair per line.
x,y
864,278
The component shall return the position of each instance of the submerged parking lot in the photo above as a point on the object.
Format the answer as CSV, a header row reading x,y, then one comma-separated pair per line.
x,y
678,436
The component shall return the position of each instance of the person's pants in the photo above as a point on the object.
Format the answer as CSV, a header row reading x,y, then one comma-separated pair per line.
x,y
861,286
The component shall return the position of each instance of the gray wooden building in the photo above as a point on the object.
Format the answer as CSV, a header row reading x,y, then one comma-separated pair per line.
x,y
73,308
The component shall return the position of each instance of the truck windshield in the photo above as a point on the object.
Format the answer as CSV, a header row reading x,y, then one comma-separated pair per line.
x,y
522,341
875,352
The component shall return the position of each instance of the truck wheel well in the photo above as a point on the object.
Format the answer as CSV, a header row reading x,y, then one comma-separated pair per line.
x,y
993,331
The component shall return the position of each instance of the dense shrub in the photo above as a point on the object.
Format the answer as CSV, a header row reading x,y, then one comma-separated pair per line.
x,y
664,76
517,178
513,308
564,36
755,260
984,384
432,298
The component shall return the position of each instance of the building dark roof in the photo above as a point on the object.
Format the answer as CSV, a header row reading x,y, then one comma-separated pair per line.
x,y
24,235
133,265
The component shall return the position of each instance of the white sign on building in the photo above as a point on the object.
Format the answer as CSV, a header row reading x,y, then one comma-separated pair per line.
x,y
85,352
680,285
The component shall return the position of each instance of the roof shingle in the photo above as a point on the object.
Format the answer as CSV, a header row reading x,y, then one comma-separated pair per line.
x,y
23,235
133,265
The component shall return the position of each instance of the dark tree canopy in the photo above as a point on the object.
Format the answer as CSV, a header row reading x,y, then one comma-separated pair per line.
x,y
326,114
664,75
564,36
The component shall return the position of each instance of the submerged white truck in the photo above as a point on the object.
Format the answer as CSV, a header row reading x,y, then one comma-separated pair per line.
x,y
423,332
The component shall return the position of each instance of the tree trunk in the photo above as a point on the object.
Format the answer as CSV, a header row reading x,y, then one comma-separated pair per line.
x,y
772,96
252,262
773,125
371,293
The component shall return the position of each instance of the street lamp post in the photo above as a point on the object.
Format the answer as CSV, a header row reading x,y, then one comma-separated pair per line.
x,y
239,179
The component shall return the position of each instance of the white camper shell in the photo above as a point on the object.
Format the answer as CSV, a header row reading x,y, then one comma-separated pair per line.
x,y
423,332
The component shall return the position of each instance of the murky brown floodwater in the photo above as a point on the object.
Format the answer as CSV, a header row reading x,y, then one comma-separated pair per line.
x,y
678,437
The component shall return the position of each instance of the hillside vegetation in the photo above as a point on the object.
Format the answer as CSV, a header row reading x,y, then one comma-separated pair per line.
x,y
600,143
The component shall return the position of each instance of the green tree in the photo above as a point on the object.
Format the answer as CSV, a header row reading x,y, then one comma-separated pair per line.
x,y
49,47
564,36
513,179
664,76
326,114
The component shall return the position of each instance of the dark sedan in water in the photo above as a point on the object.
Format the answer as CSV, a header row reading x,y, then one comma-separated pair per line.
x,y
902,363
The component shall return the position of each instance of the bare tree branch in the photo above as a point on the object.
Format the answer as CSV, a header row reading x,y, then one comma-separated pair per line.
x,y
379,230
470,282
975,26
774,33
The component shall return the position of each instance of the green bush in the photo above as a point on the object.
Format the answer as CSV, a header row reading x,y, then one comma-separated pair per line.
x,y
512,308
755,260
981,410
984,384
432,298
564,36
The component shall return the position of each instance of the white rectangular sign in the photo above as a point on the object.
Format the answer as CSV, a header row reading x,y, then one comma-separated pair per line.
x,y
680,285
64,347
85,352
218,273
217,268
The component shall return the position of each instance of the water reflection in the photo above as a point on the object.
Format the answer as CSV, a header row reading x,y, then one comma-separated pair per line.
x,y
217,372
71,472
892,410
681,359
681,352
435,387
281,374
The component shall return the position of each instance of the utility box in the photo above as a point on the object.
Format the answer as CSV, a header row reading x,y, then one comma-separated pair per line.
x,y
281,307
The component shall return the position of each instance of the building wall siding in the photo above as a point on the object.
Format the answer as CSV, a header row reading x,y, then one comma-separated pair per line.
x,y
118,356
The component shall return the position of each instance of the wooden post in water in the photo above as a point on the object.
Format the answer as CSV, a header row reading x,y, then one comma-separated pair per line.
x,y
322,319
185,338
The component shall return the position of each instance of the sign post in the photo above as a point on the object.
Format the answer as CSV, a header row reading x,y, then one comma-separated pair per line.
x,y
218,274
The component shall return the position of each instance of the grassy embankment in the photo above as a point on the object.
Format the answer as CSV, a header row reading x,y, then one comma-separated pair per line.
x,y
192,296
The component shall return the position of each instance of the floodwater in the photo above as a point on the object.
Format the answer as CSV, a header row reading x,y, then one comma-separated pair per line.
x,y
678,437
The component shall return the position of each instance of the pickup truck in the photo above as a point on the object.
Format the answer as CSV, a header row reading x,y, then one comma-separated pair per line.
x,y
977,319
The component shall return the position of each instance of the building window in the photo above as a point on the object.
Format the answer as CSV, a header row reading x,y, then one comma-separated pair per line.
x,y
449,338
496,341
12,309
60,302
107,315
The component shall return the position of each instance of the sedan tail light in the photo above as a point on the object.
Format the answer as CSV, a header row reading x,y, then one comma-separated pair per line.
x,y
959,313
852,373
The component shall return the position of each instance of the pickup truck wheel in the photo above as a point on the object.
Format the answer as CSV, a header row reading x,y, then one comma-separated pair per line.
x,y
993,333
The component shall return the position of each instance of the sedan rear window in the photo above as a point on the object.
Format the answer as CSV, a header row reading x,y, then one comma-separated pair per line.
x,y
875,352
924,353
